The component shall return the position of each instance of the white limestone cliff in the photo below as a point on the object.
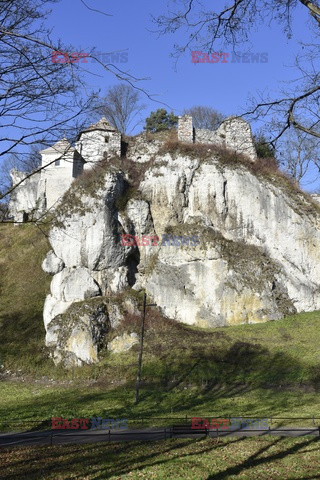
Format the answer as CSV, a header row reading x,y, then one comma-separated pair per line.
x,y
258,256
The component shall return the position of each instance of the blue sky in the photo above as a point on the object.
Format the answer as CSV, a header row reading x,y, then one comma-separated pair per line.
x,y
225,87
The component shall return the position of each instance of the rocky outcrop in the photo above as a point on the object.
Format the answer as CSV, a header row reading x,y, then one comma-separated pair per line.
x,y
258,256
69,286
87,259
77,336
89,327
123,343
247,210
143,148
52,264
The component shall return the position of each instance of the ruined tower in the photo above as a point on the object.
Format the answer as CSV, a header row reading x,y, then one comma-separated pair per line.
x,y
97,141
185,129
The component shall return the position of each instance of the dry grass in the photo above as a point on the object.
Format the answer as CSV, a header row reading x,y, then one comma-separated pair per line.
x,y
23,287
265,168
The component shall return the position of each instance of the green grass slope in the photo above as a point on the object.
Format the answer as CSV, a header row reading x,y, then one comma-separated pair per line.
x,y
269,369
23,287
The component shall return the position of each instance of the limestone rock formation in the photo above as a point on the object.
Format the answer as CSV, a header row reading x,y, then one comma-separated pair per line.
x,y
78,336
87,242
52,264
257,259
123,343
248,226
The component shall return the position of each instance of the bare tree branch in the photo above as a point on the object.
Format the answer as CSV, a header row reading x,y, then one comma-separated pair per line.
x,y
41,100
120,106
209,29
94,10
314,9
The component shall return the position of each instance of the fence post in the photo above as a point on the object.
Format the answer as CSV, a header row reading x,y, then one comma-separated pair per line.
x,y
313,420
165,434
109,434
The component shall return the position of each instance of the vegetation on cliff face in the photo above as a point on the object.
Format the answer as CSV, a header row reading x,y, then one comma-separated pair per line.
x,y
265,169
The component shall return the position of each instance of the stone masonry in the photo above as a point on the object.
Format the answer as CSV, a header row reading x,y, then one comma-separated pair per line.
x,y
185,129
63,163
234,133
97,141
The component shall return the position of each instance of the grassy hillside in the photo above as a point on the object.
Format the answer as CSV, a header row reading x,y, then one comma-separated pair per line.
x,y
23,286
269,369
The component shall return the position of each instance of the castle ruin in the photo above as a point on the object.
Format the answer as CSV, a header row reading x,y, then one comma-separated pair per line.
x,y
61,163
234,133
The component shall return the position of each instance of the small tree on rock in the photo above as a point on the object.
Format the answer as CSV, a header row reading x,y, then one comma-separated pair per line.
x,y
161,120
263,147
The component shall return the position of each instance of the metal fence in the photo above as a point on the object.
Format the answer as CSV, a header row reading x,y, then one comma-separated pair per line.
x,y
34,425
52,438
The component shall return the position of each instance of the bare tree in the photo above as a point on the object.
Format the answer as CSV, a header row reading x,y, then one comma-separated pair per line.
x,y
205,117
27,163
299,156
212,28
121,106
42,97
4,203
36,92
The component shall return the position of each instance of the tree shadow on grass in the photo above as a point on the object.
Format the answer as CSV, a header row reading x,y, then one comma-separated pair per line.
x,y
114,460
244,466
92,459
253,461
243,368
